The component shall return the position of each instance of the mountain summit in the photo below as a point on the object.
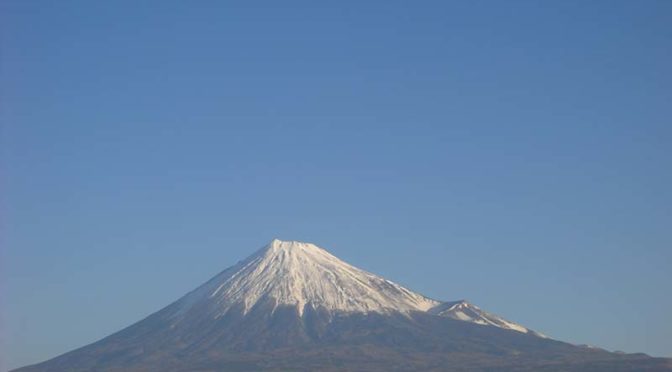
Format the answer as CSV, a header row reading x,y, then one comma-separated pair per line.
x,y
294,306
300,275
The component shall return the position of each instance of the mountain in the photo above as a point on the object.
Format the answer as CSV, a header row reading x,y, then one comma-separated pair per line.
x,y
293,306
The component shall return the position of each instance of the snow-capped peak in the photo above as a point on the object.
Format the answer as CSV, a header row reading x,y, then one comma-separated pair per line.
x,y
302,275
297,274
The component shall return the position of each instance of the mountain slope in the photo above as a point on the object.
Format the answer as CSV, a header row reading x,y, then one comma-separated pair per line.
x,y
467,312
294,306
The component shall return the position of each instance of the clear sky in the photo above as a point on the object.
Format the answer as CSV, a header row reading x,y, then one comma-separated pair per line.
x,y
516,154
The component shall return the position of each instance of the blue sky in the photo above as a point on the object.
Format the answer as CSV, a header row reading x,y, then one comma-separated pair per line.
x,y
516,154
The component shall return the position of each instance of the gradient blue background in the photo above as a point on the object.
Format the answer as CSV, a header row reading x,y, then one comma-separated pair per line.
x,y
516,154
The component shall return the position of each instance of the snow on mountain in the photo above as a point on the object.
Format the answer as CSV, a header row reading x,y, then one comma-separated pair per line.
x,y
465,311
302,274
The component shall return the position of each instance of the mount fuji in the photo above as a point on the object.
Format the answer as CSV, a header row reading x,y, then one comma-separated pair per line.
x,y
293,306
